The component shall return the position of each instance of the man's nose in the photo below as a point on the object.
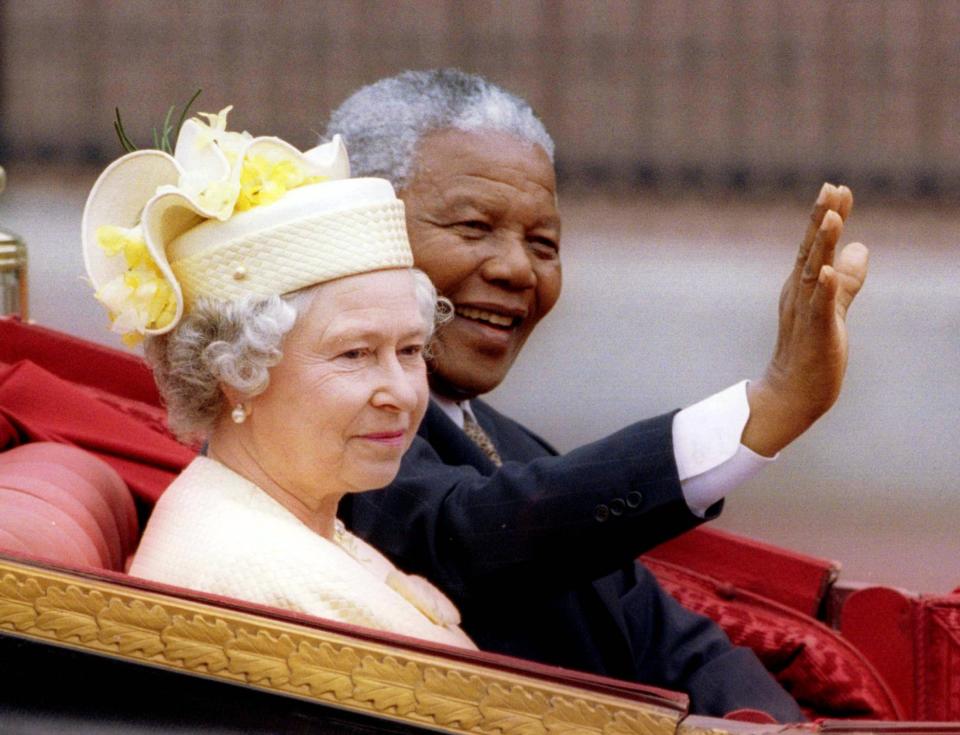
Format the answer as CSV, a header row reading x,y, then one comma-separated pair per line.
x,y
510,264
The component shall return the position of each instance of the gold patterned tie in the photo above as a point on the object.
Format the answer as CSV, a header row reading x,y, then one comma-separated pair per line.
x,y
472,429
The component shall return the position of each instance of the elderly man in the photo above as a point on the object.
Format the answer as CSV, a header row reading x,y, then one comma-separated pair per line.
x,y
537,549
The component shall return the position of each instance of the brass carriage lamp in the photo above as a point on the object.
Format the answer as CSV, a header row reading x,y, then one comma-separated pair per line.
x,y
13,269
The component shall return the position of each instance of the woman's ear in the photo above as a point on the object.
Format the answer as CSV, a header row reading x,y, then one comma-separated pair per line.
x,y
238,408
231,395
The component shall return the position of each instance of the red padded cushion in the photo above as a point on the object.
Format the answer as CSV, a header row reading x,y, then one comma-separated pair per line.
x,y
938,658
64,501
824,672
47,531
96,483
123,374
879,622
746,714
796,580
11,542
65,505
36,405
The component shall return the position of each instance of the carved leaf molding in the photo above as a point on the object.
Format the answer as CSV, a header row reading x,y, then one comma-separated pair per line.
x,y
135,628
514,710
450,698
198,643
70,613
641,723
387,683
18,602
392,685
324,669
260,656
575,717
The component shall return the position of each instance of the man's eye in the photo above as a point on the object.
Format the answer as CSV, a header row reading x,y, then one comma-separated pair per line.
x,y
546,246
473,227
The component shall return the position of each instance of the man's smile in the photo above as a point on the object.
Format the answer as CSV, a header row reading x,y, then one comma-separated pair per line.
x,y
500,318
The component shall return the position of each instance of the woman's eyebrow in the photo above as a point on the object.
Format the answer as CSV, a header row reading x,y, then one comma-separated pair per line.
x,y
360,332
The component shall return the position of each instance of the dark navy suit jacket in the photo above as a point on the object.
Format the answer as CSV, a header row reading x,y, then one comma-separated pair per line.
x,y
537,555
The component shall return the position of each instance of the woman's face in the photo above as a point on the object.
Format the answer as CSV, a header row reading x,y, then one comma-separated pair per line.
x,y
345,401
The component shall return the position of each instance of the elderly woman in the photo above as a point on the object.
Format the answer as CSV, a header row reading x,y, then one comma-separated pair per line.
x,y
286,328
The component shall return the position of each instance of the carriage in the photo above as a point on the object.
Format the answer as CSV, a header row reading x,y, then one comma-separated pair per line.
x,y
84,452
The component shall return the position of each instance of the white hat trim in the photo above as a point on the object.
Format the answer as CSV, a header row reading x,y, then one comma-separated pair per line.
x,y
298,254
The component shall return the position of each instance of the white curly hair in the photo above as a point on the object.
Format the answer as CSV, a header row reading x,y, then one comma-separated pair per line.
x,y
383,123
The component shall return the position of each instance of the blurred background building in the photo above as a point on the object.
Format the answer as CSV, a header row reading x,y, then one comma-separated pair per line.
x,y
691,136
735,93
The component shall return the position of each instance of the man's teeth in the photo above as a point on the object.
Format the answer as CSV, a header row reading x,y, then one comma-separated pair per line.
x,y
485,316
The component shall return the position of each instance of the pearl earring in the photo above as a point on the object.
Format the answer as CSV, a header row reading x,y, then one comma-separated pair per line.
x,y
238,414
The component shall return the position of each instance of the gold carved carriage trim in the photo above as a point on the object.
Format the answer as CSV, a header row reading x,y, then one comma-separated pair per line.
x,y
295,660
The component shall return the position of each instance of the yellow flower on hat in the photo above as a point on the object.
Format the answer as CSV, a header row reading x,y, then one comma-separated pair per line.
x,y
224,173
157,198
263,180
140,298
209,156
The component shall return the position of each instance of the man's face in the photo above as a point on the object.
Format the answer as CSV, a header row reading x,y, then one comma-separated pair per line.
x,y
483,223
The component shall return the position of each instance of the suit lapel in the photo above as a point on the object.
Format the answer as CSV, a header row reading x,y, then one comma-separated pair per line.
x,y
451,444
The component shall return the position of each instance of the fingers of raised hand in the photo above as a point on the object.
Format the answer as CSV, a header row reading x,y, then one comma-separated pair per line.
x,y
844,202
851,266
825,294
824,244
838,199
838,285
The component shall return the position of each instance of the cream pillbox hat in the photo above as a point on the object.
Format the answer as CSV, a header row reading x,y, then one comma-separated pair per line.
x,y
226,215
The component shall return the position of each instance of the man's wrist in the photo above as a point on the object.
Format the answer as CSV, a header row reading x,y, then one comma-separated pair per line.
x,y
775,419
711,459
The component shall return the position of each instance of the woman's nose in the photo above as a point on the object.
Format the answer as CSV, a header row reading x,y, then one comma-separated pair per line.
x,y
398,388
510,265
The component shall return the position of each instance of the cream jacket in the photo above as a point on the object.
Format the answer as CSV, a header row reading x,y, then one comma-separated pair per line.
x,y
214,531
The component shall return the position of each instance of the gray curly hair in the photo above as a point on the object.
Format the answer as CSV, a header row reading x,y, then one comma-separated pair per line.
x,y
383,123
235,343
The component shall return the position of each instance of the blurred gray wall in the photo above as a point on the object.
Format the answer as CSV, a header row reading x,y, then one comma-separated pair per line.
x,y
735,93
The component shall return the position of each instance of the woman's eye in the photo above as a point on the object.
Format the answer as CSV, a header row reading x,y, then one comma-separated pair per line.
x,y
354,354
412,350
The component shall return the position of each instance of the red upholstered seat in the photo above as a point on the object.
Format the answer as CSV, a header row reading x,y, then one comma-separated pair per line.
x,y
51,499
914,640
822,670
101,489
47,531
62,504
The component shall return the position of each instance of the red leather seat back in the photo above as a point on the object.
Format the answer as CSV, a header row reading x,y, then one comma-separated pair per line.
x,y
62,504
47,531
827,675
102,489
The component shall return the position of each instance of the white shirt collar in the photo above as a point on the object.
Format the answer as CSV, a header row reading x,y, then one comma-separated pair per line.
x,y
454,409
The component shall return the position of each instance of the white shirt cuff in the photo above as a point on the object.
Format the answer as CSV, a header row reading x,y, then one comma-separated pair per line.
x,y
711,461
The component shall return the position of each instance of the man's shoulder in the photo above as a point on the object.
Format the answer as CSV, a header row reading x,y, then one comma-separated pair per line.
x,y
487,414
504,430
